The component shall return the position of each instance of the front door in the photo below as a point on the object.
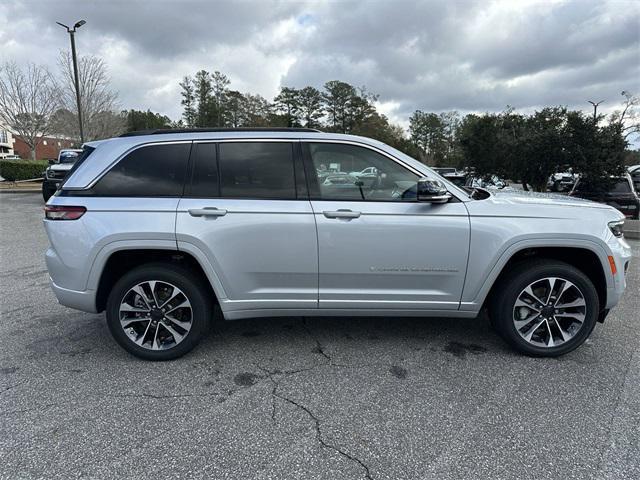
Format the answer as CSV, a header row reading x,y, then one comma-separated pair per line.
x,y
378,247
244,209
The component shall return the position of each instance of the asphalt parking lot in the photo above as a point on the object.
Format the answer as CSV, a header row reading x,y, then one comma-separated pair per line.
x,y
382,398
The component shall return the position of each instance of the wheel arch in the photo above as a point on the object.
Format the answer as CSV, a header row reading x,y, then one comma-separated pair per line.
x,y
122,260
584,259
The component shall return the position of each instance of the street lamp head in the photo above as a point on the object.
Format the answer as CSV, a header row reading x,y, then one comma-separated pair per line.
x,y
79,24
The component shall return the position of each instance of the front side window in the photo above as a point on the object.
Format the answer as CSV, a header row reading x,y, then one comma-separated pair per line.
x,y
148,171
350,172
257,170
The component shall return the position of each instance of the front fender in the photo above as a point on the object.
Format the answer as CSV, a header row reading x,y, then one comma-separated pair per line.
x,y
481,275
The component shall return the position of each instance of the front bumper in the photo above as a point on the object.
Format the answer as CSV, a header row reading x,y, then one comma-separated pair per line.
x,y
621,252
50,186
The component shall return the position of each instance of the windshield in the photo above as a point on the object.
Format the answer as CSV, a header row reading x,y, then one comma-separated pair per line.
x,y
621,186
68,157
610,185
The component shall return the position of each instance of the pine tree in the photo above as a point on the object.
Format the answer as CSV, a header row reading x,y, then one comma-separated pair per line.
x,y
188,102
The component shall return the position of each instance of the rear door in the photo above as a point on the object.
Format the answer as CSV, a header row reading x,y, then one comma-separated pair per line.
x,y
247,210
378,247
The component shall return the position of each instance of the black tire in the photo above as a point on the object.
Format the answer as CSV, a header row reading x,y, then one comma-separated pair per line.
x,y
46,194
197,293
526,273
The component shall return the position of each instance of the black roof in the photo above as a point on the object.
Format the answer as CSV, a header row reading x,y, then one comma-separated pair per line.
x,y
198,130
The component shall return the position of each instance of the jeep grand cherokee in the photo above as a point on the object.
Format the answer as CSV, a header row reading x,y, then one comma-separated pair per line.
x,y
157,228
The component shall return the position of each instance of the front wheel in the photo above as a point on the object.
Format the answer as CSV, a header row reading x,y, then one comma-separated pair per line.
x,y
545,308
47,193
158,311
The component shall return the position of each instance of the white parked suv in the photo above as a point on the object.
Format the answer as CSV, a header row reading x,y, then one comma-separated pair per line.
x,y
157,228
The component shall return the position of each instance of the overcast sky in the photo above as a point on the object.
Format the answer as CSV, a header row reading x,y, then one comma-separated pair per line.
x,y
432,55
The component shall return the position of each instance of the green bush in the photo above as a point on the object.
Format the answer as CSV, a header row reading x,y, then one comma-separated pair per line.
x,y
13,170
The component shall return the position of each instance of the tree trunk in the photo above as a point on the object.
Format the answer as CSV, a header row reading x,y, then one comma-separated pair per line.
x,y
525,186
33,153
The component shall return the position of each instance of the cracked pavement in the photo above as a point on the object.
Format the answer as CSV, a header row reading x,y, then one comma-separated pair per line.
x,y
335,398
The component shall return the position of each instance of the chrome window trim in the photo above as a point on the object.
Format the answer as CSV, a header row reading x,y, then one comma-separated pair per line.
x,y
259,139
246,140
176,142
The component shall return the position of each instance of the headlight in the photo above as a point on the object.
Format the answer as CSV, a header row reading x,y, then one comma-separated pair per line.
x,y
617,227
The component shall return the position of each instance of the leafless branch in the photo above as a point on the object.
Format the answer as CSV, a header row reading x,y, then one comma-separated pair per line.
x,y
99,102
28,98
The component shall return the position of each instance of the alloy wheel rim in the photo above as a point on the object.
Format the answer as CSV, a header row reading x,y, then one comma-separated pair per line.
x,y
549,312
155,315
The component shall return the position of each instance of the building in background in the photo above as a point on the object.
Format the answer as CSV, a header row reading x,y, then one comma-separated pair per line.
x,y
6,142
49,147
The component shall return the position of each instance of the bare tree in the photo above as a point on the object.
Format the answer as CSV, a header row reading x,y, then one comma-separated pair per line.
x,y
629,117
99,103
28,98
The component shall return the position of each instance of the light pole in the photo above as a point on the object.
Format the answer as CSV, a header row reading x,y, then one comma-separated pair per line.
x,y
71,32
595,108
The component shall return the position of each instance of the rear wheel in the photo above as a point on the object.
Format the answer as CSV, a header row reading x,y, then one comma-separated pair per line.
x,y
158,311
545,308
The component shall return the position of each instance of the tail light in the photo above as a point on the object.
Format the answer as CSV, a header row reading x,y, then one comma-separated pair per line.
x,y
63,212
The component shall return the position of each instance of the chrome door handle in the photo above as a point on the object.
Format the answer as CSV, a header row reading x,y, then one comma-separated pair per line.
x,y
342,214
207,212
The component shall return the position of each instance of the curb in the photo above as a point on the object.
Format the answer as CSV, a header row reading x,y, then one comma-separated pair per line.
x,y
20,190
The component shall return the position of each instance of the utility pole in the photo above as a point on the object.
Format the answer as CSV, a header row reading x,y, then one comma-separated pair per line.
x,y
72,32
595,109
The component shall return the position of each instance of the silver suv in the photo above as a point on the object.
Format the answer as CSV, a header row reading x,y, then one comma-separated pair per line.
x,y
158,228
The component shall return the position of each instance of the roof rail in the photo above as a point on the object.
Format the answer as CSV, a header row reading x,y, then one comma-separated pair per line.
x,y
161,131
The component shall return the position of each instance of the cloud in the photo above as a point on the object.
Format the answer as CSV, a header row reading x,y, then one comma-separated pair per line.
x,y
434,55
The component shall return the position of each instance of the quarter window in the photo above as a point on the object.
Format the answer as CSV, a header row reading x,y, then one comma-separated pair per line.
x,y
257,170
350,172
151,171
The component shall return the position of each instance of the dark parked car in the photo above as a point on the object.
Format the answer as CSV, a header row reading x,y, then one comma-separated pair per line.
x,y
621,194
58,170
451,174
634,171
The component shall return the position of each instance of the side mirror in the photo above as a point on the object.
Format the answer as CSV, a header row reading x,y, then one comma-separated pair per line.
x,y
51,161
432,191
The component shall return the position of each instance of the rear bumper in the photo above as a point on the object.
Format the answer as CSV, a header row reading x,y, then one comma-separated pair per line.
x,y
85,300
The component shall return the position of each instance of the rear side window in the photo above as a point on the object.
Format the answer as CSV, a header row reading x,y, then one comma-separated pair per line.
x,y
151,171
257,170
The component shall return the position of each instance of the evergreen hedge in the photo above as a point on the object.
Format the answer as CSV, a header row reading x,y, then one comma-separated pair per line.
x,y
13,170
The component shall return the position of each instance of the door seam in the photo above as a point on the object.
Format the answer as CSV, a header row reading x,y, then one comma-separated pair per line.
x,y
315,222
